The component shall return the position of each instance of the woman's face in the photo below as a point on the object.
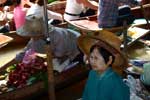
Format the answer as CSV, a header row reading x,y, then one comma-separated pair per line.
x,y
97,61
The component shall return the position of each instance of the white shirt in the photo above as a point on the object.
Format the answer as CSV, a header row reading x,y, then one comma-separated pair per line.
x,y
39,11
73,7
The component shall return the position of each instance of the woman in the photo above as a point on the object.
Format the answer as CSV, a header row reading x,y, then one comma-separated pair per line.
x,y
74,9
107,62
63,41
2,1
20,12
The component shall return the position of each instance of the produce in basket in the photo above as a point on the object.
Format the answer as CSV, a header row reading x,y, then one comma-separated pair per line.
x,y
18,78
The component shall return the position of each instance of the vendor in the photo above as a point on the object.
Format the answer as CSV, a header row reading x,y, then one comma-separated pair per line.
x,y
6,20
108,11
20,12
63,41
107,62
75,8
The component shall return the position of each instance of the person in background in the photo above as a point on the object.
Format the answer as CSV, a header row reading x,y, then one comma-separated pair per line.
x,y
4,13
4,17
107,62
75,7
6,3
2,2
20,12
108,12
6,9
37,8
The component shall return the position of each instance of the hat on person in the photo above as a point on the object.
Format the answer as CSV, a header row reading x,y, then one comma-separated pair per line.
x,y
33,26
107,40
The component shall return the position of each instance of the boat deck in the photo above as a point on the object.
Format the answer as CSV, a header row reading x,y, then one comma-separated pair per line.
x,y
72,92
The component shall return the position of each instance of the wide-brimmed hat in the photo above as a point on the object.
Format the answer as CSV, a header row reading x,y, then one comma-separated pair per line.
x,y
107,40
33,26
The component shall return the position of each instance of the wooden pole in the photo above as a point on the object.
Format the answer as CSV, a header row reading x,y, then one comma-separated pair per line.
x,y
51,86
125,36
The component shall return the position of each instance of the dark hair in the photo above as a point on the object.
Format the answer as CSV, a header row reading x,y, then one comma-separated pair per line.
x,y
40,2
105,53
16,2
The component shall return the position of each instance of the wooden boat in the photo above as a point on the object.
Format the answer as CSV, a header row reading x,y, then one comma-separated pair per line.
x,y
90,23
59,6
140,30
62,80
12,48
138,13
4,40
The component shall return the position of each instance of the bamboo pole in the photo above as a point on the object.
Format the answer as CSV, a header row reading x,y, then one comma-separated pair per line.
x,y
125,36
51,86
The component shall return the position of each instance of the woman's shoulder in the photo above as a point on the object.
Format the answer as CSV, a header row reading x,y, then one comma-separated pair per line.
x,y
112,75
117,79
92,72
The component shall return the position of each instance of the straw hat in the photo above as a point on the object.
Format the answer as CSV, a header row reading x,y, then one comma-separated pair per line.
x,y
33,26
107,40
